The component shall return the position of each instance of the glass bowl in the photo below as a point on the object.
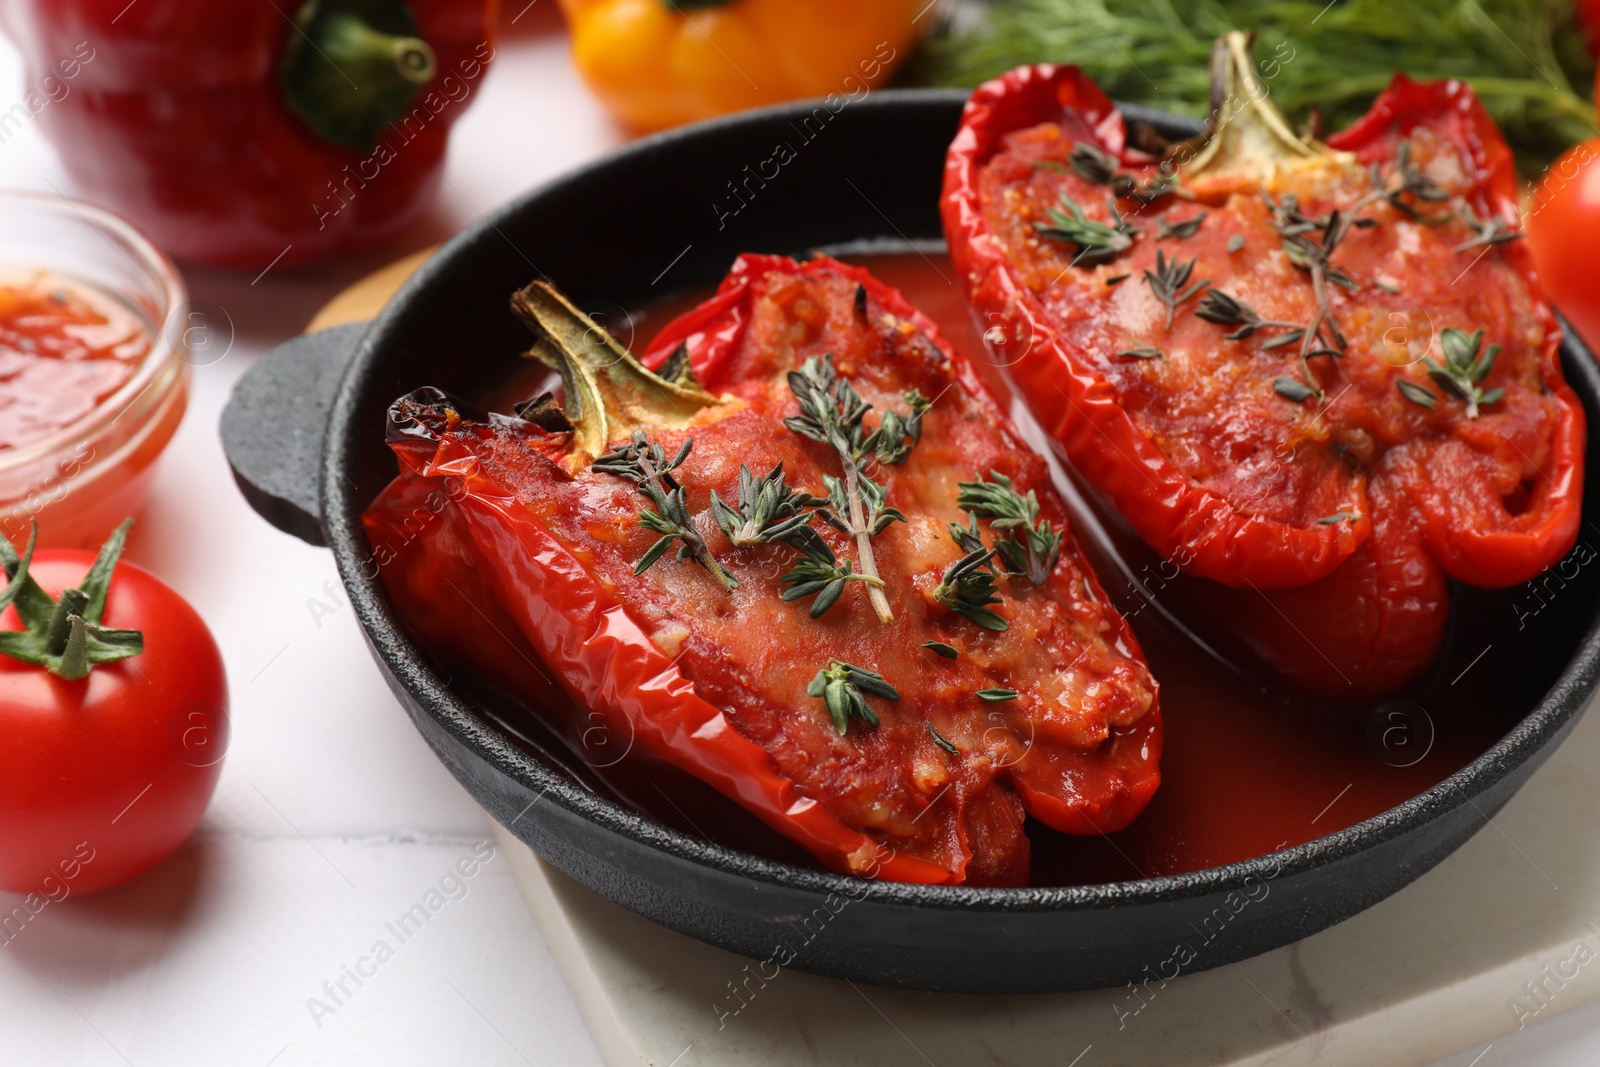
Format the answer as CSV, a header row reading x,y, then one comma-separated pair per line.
x,y
80,481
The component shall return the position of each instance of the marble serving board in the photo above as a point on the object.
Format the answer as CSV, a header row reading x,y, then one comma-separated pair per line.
x,y
1504,933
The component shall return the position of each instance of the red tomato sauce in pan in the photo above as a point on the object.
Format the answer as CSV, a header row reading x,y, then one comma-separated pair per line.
x,y
1246,768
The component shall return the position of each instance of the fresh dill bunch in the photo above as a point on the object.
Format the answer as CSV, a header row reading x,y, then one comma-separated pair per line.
x,y
1525,58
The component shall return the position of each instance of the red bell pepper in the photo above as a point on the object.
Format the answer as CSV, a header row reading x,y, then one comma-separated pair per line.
x,y
897,715
240,135
1271,407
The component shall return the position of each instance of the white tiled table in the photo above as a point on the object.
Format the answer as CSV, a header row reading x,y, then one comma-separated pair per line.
x,y
332,817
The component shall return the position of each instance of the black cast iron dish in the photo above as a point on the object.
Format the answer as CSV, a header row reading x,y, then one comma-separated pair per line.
x,y
661,215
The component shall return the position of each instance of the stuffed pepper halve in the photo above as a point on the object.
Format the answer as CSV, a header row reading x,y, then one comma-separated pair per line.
x,y
806,559
1319,374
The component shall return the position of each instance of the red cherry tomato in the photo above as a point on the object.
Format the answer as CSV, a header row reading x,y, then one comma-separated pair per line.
x,y
1563,225
105,776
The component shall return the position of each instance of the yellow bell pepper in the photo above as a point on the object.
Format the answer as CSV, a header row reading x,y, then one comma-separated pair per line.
x,y
659,63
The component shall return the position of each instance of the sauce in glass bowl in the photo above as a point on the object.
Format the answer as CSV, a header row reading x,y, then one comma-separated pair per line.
x,y
64,350
92,379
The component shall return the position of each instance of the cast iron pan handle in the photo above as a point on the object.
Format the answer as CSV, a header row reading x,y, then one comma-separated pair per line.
x,y
273,426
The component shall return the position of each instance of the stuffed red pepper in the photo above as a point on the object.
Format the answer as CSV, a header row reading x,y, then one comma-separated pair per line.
x,y
805,559
1321,374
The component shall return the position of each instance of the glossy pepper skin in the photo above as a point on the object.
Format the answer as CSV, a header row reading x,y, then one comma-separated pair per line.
x,y
655,64
715,681
1196,451
178,116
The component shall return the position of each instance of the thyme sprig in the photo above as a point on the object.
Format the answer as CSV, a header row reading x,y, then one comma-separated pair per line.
x,y
769,509
644,462
1410,181
1466,363
818,572
1169,281
876,514
833,413
968,538
1487,232
1029,547
1227,310
1321,336
1092,164
1294,389
968,588
1096,242
898,434
1295,229
844,688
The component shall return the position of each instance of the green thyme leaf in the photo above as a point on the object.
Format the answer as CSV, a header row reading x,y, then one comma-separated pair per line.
x,y
943,742
1292,389
1420,395
1225,310
1408,181
941,648
844,688
1093,164
995,696
898,434
1491,231
1179,230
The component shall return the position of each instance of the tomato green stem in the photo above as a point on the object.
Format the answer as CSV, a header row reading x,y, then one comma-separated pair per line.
x,y
59,629
74,662
64,637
